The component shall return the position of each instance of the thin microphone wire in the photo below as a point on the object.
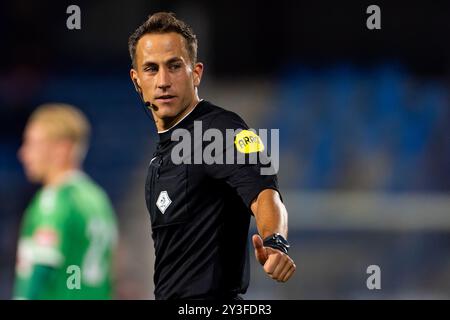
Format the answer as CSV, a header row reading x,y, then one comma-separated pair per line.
x,y
145,104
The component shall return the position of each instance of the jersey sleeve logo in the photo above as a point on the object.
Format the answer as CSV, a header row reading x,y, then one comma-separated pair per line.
x,y
248,142
163,201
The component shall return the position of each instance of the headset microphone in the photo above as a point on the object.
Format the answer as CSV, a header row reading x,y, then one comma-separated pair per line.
x,y
151,105
146,104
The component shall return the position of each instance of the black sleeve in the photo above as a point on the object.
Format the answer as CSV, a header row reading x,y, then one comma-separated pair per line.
x,y
246,179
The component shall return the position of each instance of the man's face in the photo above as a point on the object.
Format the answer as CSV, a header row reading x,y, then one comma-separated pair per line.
x,y
165,73
37,152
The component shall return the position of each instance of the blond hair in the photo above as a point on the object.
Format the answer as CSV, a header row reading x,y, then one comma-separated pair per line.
x,y
64,122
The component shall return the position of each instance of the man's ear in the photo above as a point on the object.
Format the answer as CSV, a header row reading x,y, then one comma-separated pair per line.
x,y
135,79
198,72
64,150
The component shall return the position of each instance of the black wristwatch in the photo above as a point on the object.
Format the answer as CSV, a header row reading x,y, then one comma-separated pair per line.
x,y
277,241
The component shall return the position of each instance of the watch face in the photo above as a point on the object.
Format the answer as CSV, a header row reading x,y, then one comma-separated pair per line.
x,y
278,239
283,241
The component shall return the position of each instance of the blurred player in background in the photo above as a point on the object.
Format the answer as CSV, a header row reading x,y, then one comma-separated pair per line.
x,y
69,230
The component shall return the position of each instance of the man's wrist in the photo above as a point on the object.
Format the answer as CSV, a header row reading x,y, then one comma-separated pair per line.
x,y
277,241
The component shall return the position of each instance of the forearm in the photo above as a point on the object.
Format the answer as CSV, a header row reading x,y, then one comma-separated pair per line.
x,y
270,214
271,217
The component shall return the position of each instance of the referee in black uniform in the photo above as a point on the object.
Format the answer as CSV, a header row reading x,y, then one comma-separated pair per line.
x,y
200,213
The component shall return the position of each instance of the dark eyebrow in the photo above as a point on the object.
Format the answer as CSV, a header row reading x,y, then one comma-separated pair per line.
x,y
148,63
171,60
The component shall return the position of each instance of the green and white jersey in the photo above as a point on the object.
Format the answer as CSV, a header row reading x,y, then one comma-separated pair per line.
x,y
71,228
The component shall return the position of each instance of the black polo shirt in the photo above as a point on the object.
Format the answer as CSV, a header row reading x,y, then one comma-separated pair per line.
x,y
200,213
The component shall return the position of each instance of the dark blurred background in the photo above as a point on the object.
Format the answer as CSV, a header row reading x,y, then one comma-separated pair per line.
x,y
363,118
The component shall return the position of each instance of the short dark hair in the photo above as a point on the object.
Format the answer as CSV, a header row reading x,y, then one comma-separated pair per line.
x,y
164,22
